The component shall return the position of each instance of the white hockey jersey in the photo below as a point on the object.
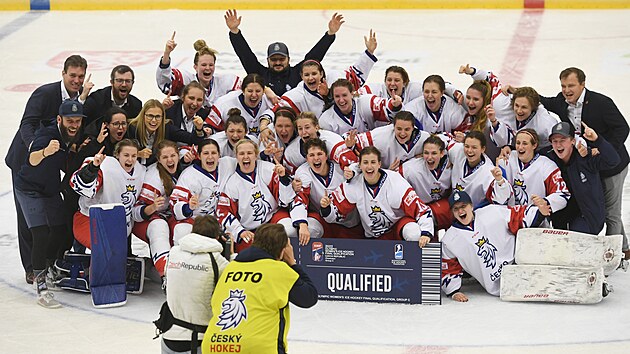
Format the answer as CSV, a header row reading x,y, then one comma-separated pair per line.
x,y
429,185
448,117
295,156
301,99
314,188
225,147
113,185
367,111
250,200
384,139
219,112
541,121
540,177
380,206
484,247
478,182
194,180
501,103
174,80
152,187
410,92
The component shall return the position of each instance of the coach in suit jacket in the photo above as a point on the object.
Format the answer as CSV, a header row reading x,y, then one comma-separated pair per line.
x,y
41,110
118,94
576,104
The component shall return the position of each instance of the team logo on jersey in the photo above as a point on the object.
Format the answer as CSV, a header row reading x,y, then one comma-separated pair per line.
x,y
380,223
459,187
261,207
128,198
487,251
210,195
520,194
436,193
233,310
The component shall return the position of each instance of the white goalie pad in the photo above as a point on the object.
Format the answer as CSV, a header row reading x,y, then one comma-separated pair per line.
x,y
568,248
544,283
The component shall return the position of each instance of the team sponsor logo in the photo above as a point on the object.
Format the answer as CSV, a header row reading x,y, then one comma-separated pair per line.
x,y
410,198
260,207
487,252
233,310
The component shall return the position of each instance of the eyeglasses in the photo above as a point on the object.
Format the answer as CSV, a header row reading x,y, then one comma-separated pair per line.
x,y
126,81
153,117
118,124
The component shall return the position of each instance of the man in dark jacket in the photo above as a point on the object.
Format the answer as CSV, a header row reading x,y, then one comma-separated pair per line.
x,y
576,104
585,211
118,95
41,111
279,75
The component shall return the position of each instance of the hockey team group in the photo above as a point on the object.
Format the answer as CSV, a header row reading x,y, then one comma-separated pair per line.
x,y
323,153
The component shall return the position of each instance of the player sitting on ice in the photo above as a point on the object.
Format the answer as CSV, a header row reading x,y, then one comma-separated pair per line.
x,y
482,241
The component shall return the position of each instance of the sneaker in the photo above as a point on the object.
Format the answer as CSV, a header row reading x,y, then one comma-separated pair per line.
x,y
52,277
30,277
46,299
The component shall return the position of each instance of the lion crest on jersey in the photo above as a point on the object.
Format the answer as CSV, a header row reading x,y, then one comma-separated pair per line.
x,y
260,207
380,223
233,310
487,251
520,194
458,187
128,198
211,195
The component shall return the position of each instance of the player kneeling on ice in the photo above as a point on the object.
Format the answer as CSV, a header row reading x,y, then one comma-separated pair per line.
x,y
482,241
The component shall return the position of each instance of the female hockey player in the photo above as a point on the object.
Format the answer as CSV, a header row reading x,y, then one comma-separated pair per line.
x,y
235,130
434,111
396,83
532,175
106,179
253,196
388,207
361,113
156,225
528,113
308,128
482,241
430,177
198,187
171,81
251,102
319,176
474,173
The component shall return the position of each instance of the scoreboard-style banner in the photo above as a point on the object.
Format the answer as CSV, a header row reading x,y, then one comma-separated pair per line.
x,y
372,270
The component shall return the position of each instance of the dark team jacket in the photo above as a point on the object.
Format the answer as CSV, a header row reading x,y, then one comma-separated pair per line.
x,y
44,179
283,81
172,133
582,176
99,101
41,109
600,113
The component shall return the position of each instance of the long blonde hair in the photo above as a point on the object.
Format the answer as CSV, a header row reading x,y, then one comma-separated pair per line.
x,y
141,130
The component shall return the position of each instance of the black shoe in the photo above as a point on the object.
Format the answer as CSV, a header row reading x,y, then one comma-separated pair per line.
x,y
30,277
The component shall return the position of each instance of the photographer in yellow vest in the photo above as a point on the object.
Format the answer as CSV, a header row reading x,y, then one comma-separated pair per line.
x,y
251,300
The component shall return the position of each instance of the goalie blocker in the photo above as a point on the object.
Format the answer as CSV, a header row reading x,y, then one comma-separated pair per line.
x,y
568,248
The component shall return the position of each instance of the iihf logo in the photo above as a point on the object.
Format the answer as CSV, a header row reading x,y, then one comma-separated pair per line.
x,y
398,251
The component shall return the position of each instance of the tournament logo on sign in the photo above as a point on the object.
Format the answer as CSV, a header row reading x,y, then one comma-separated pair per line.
x,y
398,251
317,250
233,310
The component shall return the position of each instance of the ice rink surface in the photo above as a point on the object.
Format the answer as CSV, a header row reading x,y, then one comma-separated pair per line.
x,y
524,48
